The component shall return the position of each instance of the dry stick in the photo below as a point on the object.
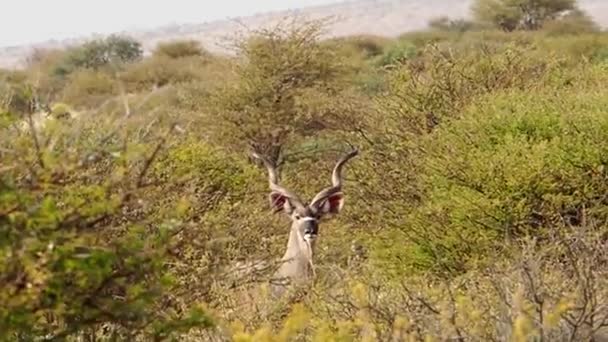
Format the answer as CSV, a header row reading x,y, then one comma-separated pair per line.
x,y
149,161
35,139
538,298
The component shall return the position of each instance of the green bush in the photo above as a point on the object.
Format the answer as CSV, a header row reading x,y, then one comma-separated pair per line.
x,y
423,95
601,55
218,196
397,52
180,49
369,46
581,46
515,165
361,54
161,70
113,50
40,70
575,22
421,39
425,92
72,257
89,88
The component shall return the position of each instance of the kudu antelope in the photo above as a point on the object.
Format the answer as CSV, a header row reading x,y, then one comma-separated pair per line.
x,y
297,262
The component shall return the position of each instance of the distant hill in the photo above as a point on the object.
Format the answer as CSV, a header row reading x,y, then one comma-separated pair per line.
x,y
379,17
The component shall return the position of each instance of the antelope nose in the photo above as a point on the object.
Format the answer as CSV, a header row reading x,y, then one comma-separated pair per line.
x,y
311,229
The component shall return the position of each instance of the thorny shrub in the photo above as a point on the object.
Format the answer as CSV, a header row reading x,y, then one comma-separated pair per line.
x,y
71,258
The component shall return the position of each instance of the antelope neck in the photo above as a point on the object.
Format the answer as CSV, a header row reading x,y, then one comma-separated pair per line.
x,y
297,260
294,247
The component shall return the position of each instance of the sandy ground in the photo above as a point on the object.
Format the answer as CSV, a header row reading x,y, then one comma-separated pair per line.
x,y
379,17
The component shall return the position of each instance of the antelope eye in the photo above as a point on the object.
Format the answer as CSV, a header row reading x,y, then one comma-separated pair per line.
x,y
297,216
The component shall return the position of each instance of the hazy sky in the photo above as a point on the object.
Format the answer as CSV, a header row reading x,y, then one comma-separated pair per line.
x,y
29,21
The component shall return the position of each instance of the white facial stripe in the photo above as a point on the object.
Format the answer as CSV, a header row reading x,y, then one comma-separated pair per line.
x,y
308,218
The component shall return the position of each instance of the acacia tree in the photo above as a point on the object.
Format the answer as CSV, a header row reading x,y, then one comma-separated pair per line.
x,y
511,15
287,84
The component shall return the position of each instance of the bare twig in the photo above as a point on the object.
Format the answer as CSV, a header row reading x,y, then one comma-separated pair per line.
x,y
30,121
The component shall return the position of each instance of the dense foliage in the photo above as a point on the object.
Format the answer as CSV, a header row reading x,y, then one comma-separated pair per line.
x,y
475,211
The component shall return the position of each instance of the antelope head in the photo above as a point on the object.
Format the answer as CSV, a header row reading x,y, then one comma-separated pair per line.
x,y
297,260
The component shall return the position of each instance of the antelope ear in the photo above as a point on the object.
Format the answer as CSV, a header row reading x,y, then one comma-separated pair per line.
x,y
332,204
280,202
